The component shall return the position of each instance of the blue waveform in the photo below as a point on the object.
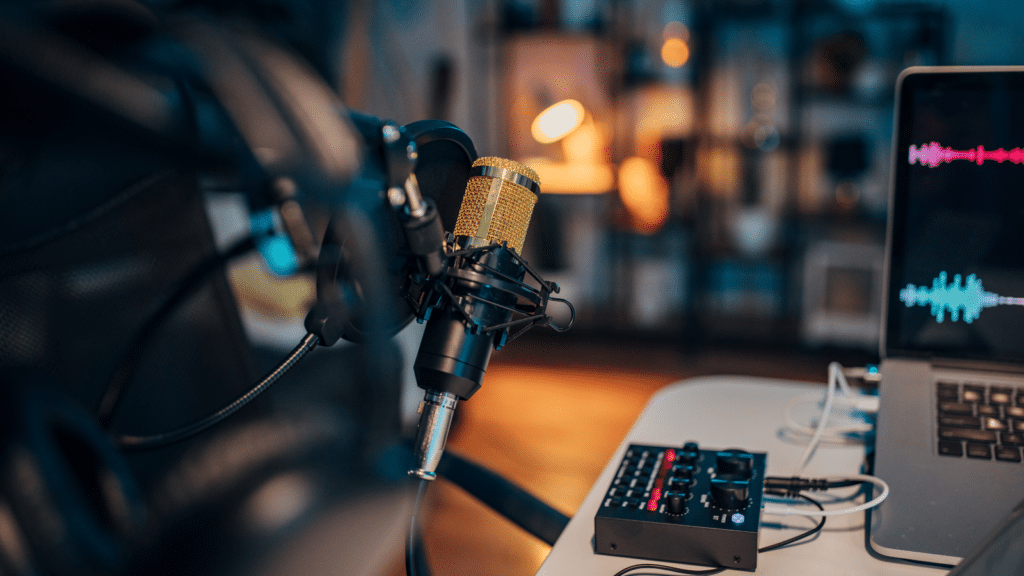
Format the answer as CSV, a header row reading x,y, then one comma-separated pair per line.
x,y
969,298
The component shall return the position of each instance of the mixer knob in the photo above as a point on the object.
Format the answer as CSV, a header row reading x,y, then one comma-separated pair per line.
x,y
687,457
684,471
729,493
735,463
675,502
679,483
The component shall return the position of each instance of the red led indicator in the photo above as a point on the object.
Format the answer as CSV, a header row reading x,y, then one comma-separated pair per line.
x,y
652,505
670,457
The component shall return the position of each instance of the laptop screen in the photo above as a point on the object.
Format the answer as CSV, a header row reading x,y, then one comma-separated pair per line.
x,y
956,238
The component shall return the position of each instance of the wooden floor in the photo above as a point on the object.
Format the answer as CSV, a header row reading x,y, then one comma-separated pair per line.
x,y
548,417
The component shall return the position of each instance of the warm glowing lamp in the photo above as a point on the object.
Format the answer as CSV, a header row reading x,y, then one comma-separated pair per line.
x,y
584,167
557,121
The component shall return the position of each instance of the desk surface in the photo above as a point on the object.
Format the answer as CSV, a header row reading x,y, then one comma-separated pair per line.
x,y
739,412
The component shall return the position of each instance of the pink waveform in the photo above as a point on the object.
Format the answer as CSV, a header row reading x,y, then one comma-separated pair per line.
x,y
934,154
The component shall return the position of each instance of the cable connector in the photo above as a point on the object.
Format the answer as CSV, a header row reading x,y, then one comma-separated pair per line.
x,y
785,486
791,487
863,403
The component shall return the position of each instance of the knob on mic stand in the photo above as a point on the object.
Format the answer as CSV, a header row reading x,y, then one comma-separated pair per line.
x,y
470,307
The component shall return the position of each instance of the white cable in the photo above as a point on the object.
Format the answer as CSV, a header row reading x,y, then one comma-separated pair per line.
x,y
835,377
838,369
844,434
833,369
841,432
788,511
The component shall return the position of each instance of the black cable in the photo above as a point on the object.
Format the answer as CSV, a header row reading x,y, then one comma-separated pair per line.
x,y
817,528
671,569
134,443
517,505
422,564
801,536
132,358
512,502
108,206
415,557
792,486
844,483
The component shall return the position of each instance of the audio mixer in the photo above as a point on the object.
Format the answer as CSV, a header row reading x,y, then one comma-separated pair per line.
x,y
684,505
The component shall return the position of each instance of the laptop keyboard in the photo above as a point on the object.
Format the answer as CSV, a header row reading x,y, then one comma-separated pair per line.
x,y
980,421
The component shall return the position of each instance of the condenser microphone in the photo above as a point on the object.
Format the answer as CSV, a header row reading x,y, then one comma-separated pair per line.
x,y
499,200
469,312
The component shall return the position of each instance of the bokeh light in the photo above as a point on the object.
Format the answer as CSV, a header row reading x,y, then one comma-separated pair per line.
x,y
557,121
644,193
675,52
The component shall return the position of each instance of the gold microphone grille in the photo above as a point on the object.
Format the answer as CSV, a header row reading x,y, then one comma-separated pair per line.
x,y
498,203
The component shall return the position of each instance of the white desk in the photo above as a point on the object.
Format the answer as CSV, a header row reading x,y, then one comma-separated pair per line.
x,y
738,412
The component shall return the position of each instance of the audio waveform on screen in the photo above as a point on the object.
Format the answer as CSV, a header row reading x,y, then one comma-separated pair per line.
x,y
934,154
961,300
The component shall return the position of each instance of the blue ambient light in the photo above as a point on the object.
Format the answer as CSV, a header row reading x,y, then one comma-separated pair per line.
x,y
279,255
277,251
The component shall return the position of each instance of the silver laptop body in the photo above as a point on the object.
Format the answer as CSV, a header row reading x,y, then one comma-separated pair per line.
x,y
953,316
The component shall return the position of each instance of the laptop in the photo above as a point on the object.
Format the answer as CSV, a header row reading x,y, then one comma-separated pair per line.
x,y
951,417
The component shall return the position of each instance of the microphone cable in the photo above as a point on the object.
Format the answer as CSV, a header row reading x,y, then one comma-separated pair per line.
x,y
503,496
415,555
130,360
136,443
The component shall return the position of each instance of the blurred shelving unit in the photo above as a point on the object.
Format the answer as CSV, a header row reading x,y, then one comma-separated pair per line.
x,y
749,181
795,100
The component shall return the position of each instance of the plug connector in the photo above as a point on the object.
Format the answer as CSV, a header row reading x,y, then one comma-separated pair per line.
x,y
791,487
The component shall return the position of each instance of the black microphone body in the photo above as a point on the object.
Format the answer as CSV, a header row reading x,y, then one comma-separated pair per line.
x,y
454,352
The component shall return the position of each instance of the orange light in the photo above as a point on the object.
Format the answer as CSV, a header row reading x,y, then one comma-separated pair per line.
x,y
675,52
573,178
584,145
557,121
644,193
